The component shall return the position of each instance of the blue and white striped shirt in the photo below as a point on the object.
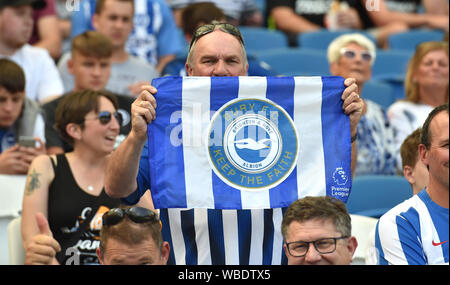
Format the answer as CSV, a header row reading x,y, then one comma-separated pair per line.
x,y
154,34
414,232
217,237
202,233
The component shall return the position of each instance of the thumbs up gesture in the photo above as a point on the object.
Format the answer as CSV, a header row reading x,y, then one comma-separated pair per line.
x,y
42,248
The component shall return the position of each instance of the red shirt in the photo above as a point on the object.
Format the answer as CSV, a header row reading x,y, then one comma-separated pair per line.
x,y
49,10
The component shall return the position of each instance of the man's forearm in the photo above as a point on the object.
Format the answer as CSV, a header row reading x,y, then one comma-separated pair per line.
x,y
123,167
288,21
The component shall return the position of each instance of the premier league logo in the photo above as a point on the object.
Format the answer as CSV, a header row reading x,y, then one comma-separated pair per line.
x,y
252,144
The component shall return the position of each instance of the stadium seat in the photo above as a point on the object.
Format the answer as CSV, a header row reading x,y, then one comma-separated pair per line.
x,y
379,92
260,39
296,61
410,39
391,65
371,254
321,39
261,4
398,87
362,228
374,195
16,251
11,197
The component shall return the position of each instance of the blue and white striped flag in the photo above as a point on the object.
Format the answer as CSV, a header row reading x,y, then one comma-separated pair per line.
x,y
248,142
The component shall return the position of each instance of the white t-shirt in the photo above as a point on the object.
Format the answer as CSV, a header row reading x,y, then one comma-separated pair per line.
x,y
405,117
41,75
123,74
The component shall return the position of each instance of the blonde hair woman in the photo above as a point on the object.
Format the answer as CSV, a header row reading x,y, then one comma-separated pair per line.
x,y
353,55
426,87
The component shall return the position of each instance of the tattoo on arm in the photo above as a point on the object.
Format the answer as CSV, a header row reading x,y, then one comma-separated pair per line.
x,y
34,182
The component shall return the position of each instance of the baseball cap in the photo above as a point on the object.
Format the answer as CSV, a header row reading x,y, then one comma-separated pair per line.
x,y
36,4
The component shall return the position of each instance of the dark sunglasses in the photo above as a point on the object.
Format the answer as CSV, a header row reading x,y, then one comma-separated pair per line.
x,y
105,117
138,215
208,28
351,54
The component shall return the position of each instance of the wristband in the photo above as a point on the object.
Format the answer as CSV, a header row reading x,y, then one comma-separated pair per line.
x,y
353,139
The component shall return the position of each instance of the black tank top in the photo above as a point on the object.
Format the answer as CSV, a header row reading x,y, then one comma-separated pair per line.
x,y
69,208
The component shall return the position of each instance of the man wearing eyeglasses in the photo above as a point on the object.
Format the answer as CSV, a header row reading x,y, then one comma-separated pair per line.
x,y
317,231
216,50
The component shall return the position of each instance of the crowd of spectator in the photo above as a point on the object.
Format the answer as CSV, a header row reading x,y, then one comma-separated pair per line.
x,y
70,72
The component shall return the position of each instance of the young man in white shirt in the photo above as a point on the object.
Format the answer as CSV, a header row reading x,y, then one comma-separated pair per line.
x,y
114,19
42,79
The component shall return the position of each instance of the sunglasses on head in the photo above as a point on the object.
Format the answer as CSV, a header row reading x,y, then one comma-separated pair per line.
x,y
105,117
138,215
208,28
351,54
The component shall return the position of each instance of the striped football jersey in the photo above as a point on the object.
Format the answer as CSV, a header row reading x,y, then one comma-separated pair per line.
x,y
414,232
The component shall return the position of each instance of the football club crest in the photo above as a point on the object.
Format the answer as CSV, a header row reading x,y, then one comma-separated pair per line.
x,y
252,144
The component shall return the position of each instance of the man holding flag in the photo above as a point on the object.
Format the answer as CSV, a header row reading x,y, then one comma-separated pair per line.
x,y
200,232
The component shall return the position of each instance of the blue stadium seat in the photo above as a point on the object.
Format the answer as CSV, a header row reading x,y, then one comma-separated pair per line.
x,y
296,61
379,92
398,87
391,65
410,39
261,4
260,39
321,39
374,195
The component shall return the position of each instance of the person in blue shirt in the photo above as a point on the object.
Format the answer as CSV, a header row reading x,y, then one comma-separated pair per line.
x,y
198,235
416,232
154,37
19,117
192,17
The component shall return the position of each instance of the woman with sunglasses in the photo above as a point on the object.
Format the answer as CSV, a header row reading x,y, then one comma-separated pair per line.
x,y
426,87
352,55
68,188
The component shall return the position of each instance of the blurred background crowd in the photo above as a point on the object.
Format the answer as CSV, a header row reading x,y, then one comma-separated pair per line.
x,y
397,50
